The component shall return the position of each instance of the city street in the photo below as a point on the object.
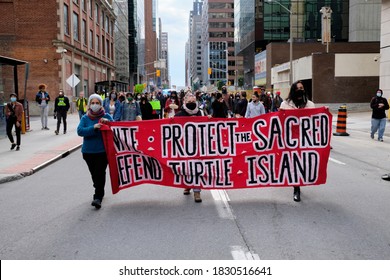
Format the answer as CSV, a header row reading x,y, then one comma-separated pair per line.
x,y
48,215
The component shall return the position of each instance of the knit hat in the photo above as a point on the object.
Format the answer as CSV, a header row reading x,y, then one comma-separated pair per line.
x,y
95,96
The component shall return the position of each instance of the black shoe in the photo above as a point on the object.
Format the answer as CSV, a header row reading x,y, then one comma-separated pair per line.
x,y
56,132
297,194
97,203
386,177
13,146
186,191
18,148
65,132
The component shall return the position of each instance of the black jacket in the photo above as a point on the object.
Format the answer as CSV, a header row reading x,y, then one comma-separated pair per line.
x,y
379,113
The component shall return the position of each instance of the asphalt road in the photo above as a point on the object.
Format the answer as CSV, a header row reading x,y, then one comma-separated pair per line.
x,y
48,216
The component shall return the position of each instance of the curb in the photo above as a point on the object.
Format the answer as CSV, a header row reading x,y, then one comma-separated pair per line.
x,y
14,177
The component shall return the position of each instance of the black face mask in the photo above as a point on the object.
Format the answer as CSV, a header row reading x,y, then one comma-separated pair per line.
x,y
299,98
191,105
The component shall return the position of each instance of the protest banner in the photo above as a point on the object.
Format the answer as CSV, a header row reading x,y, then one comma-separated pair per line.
x,y
286,148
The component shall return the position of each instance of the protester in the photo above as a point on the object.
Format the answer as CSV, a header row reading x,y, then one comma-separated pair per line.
x,y
241,105
93,149
146,109
156,105
131,110
81,104
254,108
14,114
190,108
378,105
43,98
297,99
172,105
220,109
113,106
61,107
277,101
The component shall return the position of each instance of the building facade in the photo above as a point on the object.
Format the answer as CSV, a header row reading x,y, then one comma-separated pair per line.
x,y
121,31
150,48
220,64
75,37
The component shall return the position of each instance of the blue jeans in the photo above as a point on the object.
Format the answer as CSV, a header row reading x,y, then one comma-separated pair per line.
x,y
378,125
81,113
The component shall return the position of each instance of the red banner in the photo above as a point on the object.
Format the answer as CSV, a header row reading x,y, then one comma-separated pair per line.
x,y
286,148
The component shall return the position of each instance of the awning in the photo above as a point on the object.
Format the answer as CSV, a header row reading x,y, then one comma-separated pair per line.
x,y
10,61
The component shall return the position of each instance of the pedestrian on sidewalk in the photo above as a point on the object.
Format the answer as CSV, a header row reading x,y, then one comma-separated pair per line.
x,y
61,107
297,99
81,104
14,114
378,105
93,149
43,98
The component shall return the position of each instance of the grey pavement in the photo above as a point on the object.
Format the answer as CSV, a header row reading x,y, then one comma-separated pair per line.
x,y
40,148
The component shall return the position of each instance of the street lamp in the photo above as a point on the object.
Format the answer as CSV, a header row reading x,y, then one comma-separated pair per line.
x,y
291,36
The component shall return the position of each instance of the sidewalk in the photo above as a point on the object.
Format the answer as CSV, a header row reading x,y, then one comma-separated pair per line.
x,y
40,148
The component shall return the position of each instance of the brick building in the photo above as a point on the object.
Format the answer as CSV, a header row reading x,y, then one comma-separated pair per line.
x,y
59,38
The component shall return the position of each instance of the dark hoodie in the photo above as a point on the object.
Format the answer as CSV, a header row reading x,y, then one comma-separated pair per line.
x,y
379,113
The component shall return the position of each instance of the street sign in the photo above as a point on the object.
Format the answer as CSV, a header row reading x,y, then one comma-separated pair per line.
x,y
73,80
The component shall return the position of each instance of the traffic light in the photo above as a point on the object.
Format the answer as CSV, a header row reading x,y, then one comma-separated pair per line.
x,y
158,72
209,71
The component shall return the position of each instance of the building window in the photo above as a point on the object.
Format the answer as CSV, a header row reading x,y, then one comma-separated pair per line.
x,y
103,46
90,8
83,5
84,30
91,39
107,48
76,35
107,25
97,43
76,1
102,19
97,13
66,19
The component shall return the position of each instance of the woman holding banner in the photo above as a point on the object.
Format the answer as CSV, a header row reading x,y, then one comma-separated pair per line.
x,y
190,108
93,149
297,99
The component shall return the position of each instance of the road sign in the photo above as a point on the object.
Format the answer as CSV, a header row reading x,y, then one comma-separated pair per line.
x,y
73,80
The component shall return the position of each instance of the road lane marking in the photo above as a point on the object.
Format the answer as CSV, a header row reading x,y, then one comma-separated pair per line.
x,y
337,161
240,253
222,203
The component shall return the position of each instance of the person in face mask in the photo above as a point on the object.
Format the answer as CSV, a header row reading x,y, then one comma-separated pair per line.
x,y
297,99
93,149
61,107
113,106
14,114
172,105
131,110
378,119
190,108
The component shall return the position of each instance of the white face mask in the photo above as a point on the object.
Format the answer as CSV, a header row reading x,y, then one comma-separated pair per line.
x,y
95,107
379,94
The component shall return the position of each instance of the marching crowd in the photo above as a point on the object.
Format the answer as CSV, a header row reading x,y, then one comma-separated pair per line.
x,y
120,106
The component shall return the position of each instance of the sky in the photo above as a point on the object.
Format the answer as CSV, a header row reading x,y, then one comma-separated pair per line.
x,y
174,15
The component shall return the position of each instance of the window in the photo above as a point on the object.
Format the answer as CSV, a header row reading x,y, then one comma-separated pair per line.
x,y
103,45
83,5
76,1
90,8
91,39
76,35
97,13
107,25
66,19
84,34
102,19
97,43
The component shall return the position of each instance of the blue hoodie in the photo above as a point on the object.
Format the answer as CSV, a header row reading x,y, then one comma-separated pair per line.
x,y
93,140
